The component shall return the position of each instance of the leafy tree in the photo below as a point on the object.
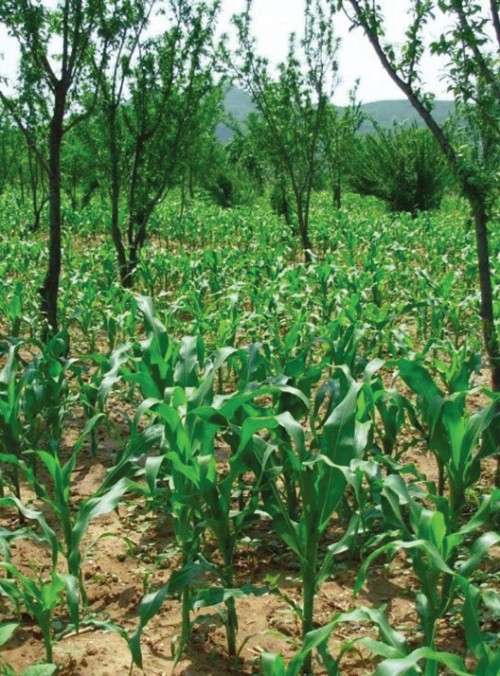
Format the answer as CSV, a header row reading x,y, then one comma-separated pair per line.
x,y
292,105
202,150
402,166
338,139
8,143
471,47
55,44
112,81
166,79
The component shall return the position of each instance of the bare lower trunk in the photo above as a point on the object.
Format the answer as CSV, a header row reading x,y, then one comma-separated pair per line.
x,y
337,193
50,290
306,242
487,313
115,202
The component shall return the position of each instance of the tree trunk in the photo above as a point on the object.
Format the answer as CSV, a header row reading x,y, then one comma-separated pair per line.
x,y
306,244
490,337
487,313
303,218
115,202
50,290
337,193
191,183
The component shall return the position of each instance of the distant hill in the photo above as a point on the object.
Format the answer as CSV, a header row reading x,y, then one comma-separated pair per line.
x,y
239,104
386,113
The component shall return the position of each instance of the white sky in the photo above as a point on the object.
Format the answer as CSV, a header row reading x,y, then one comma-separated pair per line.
x,y
275,19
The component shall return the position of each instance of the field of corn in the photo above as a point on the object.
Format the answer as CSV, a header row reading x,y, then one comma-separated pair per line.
x,y
249,465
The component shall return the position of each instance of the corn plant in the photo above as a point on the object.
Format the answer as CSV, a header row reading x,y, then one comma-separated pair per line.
x,y
40,599
321,473
95,389
46,395
483,647
389,410
432,541
200,497
56,495
390,642
7,630
453,435
11,428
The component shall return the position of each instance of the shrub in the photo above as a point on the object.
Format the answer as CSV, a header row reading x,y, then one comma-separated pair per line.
x,y
402,166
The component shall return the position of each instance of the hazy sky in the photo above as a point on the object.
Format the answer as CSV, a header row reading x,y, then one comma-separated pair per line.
x,y
275,19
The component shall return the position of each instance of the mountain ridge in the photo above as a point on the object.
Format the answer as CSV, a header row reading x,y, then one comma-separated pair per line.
x,y
386,112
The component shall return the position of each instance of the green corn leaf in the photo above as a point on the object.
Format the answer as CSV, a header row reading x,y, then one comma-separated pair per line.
x,y
34,515
89,510
273,665
90,426
7,630
312,640
381,649
214,596
478,551
405,665
40,670
151,603
73,597
392,547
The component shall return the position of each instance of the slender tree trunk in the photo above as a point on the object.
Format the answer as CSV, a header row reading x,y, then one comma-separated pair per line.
x,y
21,183
306,243
115,201
490,336
183,196
337,193
36,222
50,290
131,263
191,183
487,313
303,218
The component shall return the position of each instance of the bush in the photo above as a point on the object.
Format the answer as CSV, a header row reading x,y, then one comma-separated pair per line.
x,y
403,166
222,190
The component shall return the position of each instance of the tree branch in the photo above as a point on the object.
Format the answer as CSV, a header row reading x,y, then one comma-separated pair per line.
x,y
28,135
413,97
473,46
496,19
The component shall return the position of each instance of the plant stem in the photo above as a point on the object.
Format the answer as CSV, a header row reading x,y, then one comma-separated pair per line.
x,y
47,640
232,627
309,592
186,620
232,617
440,477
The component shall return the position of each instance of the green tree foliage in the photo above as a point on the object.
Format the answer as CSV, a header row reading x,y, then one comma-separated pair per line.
x,y
402,166
338,138
470,46
55,45
147,135
292,105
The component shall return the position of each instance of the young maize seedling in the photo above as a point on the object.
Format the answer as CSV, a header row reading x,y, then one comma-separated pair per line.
x,y
57,498
46,395
40,599
453,435
321,471
431,540
11,427
6,632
